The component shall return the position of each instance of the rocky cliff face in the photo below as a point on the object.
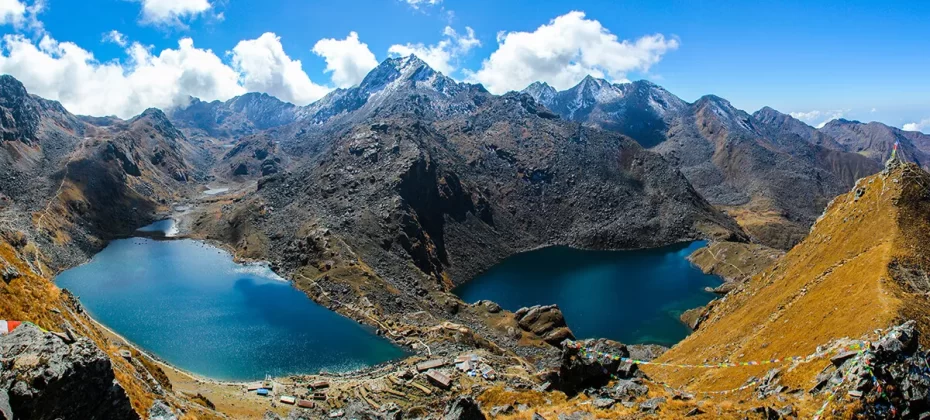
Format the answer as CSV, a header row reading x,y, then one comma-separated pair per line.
x,y
44,377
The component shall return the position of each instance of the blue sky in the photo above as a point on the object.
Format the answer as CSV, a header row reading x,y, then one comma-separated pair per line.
x,y
862,60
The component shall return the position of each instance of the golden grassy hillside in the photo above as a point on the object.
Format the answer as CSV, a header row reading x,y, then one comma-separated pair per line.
x,y
862,268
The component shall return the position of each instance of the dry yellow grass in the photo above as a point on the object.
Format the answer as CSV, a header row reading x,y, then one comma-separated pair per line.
x,y
834,284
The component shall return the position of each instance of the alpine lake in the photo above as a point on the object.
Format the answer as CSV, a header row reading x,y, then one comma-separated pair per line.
x,y
634,297
189,304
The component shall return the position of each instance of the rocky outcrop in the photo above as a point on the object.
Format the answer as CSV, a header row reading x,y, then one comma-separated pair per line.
x,y
547,322
693,317
45,378
900,367
19,117
161,411
580,367
463,408
252,157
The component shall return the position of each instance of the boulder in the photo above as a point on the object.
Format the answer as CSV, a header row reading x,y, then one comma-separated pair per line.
x,y
500,410
161,411
489,306
765,413
464,408
45,378
604,403
578,415
579,369
7,272
547,322
651,405
627,390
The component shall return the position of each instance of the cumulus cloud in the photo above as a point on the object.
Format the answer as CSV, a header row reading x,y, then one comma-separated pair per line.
x,y
66,72
172,11
116,37
922,126
817,118
347,59
22,15
265,67
443,56
563,52
416,4
12,12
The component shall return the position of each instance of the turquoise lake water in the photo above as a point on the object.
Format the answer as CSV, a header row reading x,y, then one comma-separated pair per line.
x,y
634,297
190,304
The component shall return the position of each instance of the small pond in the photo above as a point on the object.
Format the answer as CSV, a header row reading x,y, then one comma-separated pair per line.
x,y
190,304
634,297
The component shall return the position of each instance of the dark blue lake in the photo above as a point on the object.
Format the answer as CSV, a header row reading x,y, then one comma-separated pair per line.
x,y
634,297
191,305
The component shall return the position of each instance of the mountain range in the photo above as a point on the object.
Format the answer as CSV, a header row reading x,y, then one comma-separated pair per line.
x,y
772,172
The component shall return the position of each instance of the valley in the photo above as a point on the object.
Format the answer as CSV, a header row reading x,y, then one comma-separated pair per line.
x,y
381,203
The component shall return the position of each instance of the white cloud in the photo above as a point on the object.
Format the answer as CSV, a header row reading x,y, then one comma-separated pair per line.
x,y
348,59
922,126
265,67
416,4
12,12
873,110
819,118
563,52
23,15
172,11
116,37
443,56
65,72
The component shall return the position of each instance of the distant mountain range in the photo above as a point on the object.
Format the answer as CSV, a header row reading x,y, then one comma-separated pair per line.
x,y
771,171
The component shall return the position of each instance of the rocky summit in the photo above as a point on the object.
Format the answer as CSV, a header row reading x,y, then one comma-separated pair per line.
x,y
379,199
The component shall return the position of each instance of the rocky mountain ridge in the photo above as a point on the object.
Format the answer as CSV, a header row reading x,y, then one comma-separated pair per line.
x,y
771,172
796,169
